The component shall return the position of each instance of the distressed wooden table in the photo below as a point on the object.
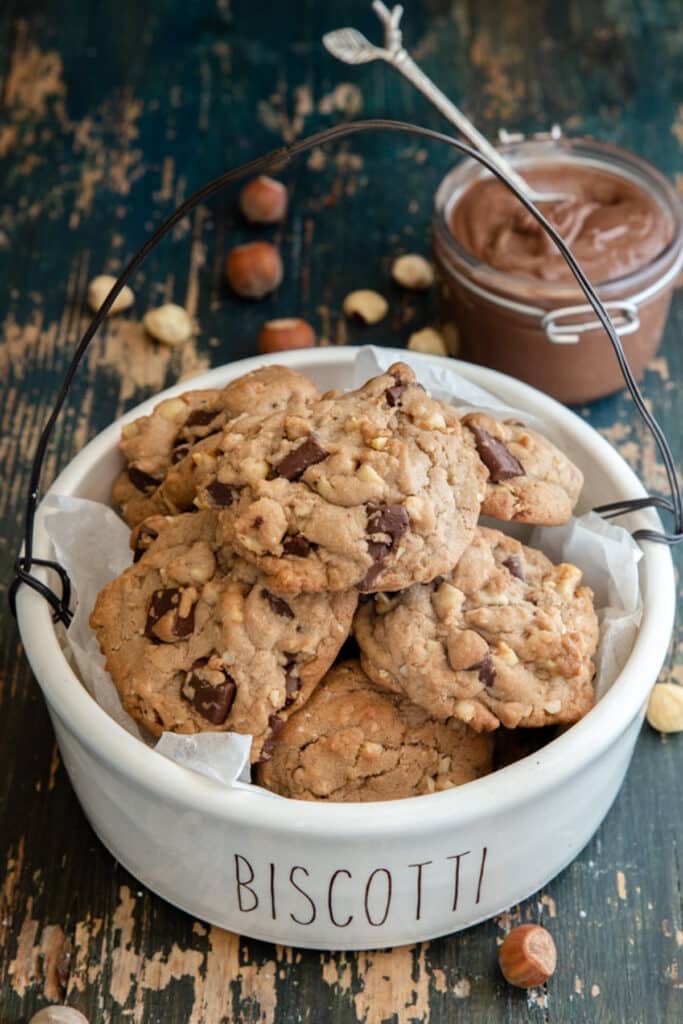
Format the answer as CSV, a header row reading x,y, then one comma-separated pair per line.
x,y
112,113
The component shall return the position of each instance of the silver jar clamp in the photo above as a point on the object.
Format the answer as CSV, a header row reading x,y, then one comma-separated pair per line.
x,y
623,312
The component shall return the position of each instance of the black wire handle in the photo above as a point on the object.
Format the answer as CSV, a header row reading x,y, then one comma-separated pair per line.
x,y
277,159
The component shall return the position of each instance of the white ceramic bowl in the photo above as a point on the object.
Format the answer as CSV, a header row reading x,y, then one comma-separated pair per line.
x,y
353,876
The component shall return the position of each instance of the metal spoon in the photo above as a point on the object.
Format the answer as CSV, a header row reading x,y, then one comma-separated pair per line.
x,y
351,47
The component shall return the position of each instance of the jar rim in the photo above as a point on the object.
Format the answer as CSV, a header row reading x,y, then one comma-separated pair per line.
x,y
578,150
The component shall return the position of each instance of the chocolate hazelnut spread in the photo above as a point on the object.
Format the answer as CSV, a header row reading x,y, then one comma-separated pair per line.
x,y
508,294
612,225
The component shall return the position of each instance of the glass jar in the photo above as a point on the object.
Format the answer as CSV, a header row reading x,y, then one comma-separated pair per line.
x,y
542,331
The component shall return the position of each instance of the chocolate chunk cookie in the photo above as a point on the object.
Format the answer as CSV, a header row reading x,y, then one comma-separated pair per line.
x,y
375,488
162,444
505,637
195,640
354,742
530,480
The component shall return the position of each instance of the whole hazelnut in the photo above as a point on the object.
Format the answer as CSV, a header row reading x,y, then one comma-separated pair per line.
x,y
254,270
413,271
665,707
282,335
528,956
170,324
366,306
58,1015
264,200
99,288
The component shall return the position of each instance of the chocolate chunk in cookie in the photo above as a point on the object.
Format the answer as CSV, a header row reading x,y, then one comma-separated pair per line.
x,y
210,689
296,545
170,614
141,481
499,460
279,606
506,637
514,565
294,465
221,495
355,742
201,418
385,526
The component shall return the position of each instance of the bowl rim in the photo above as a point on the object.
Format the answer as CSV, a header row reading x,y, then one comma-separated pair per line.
x,y
516,784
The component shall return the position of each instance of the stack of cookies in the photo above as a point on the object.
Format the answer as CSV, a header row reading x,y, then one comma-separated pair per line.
x,y
310,570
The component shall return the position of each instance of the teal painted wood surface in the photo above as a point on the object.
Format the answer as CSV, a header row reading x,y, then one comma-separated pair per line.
x,y
110,114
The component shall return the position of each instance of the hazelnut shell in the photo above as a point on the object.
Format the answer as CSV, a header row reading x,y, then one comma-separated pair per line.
x,y
254,270
285,334
528,956
264,200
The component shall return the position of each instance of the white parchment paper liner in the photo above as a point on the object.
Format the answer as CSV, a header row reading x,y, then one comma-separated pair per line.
x,y
91,542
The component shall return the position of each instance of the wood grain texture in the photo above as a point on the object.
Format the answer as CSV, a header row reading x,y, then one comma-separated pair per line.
x,y
110,114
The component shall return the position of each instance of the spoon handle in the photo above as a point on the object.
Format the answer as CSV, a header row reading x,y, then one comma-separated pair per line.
x,y
404,63
351,47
